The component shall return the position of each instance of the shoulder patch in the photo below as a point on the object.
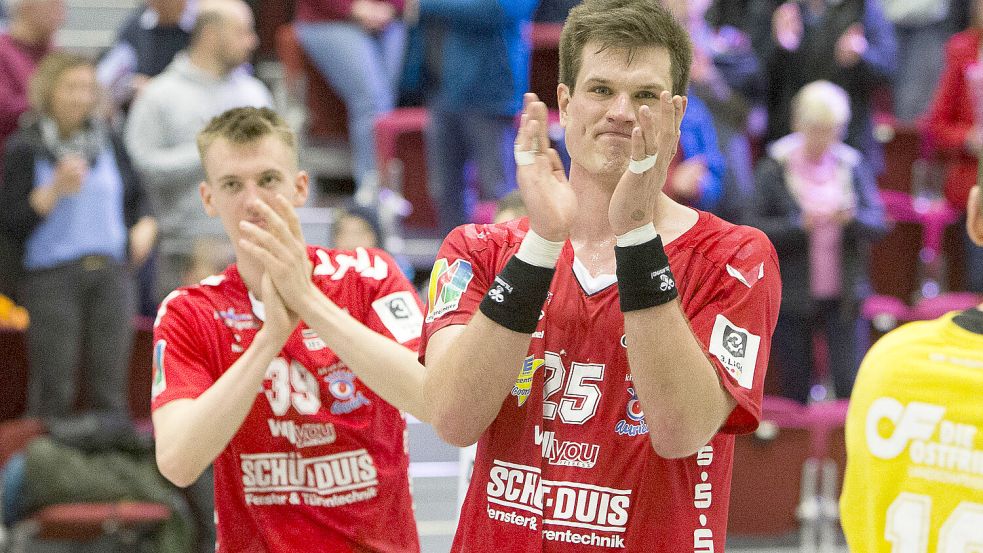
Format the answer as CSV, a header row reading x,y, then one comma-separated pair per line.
x,y
400,314
737,350
160,379
447,284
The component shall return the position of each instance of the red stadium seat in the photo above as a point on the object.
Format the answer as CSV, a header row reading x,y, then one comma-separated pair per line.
x,y
775,474
77,522
402,161
13,373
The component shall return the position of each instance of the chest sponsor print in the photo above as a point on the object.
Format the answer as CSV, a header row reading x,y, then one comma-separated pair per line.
x,y
278,479
565,512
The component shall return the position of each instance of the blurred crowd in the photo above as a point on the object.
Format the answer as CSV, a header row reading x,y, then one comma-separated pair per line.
x,y
102,218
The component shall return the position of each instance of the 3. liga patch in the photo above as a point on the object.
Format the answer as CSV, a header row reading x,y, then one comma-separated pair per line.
x,y
736,348
400,314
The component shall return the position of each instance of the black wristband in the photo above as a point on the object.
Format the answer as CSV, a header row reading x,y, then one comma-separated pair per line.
x,y
644,277
516,297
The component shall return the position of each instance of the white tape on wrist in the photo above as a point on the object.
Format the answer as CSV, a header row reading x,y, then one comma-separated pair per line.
x,y
641,235
524,157
639,167
538,251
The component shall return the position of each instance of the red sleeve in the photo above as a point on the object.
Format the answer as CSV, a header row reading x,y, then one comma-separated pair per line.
x,y
735,327
466,265
180,364
944,120
395,309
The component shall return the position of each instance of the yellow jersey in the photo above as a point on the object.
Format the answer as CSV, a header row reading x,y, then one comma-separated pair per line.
x,y
914,474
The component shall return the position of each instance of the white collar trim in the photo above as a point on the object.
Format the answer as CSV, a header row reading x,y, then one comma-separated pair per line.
x,y
591,284
258,308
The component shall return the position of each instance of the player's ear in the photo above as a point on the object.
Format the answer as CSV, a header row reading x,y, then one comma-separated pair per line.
x,y
563,100
302,187
205,191
974,215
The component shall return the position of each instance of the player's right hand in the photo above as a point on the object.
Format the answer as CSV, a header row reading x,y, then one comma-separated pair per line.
x,y
279,321
546,193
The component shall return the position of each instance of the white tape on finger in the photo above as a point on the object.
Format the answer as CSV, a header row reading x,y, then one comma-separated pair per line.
x,y
639,167
524,157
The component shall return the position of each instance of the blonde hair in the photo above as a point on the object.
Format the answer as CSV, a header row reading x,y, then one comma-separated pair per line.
x,y
624,24
42,85
245,125
821,103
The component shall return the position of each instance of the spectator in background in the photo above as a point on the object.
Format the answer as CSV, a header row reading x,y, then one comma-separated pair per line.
x,y
146,45
696,179
477,59
209,256
817,201
509,207
922,28
200,83
355,227
847,42
726,77
954,125
73,202
28,38
358,46
553,11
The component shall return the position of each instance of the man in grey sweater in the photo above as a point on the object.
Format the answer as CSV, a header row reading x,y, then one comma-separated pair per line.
x,y
203,81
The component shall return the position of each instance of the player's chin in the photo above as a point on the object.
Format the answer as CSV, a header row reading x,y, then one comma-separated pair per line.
x,y
614,162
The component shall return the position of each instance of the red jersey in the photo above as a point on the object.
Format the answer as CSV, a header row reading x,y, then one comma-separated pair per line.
x,y
567,465
320,462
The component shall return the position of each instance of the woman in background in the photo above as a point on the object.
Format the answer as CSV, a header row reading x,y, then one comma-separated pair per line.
x,y
818,203
73,206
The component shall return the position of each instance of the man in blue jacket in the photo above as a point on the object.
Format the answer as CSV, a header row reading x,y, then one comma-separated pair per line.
x,y
475,55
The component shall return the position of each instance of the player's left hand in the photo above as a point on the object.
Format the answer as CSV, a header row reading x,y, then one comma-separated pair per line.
x,y
656,133
281,249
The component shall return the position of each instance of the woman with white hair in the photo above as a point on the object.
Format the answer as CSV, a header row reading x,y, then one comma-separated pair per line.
x,y
817,201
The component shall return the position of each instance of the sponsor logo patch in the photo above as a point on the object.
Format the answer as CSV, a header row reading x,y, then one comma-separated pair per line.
x,y
312,341
523,383
634,422
566,453
400,314
341,384
303,435
737,350
160,380
447,284
236,321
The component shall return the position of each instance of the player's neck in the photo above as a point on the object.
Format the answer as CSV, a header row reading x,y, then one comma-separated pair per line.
x,y
594,197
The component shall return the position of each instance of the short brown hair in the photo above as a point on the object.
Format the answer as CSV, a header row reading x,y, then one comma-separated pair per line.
x,y
628,24
246,125
51,68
